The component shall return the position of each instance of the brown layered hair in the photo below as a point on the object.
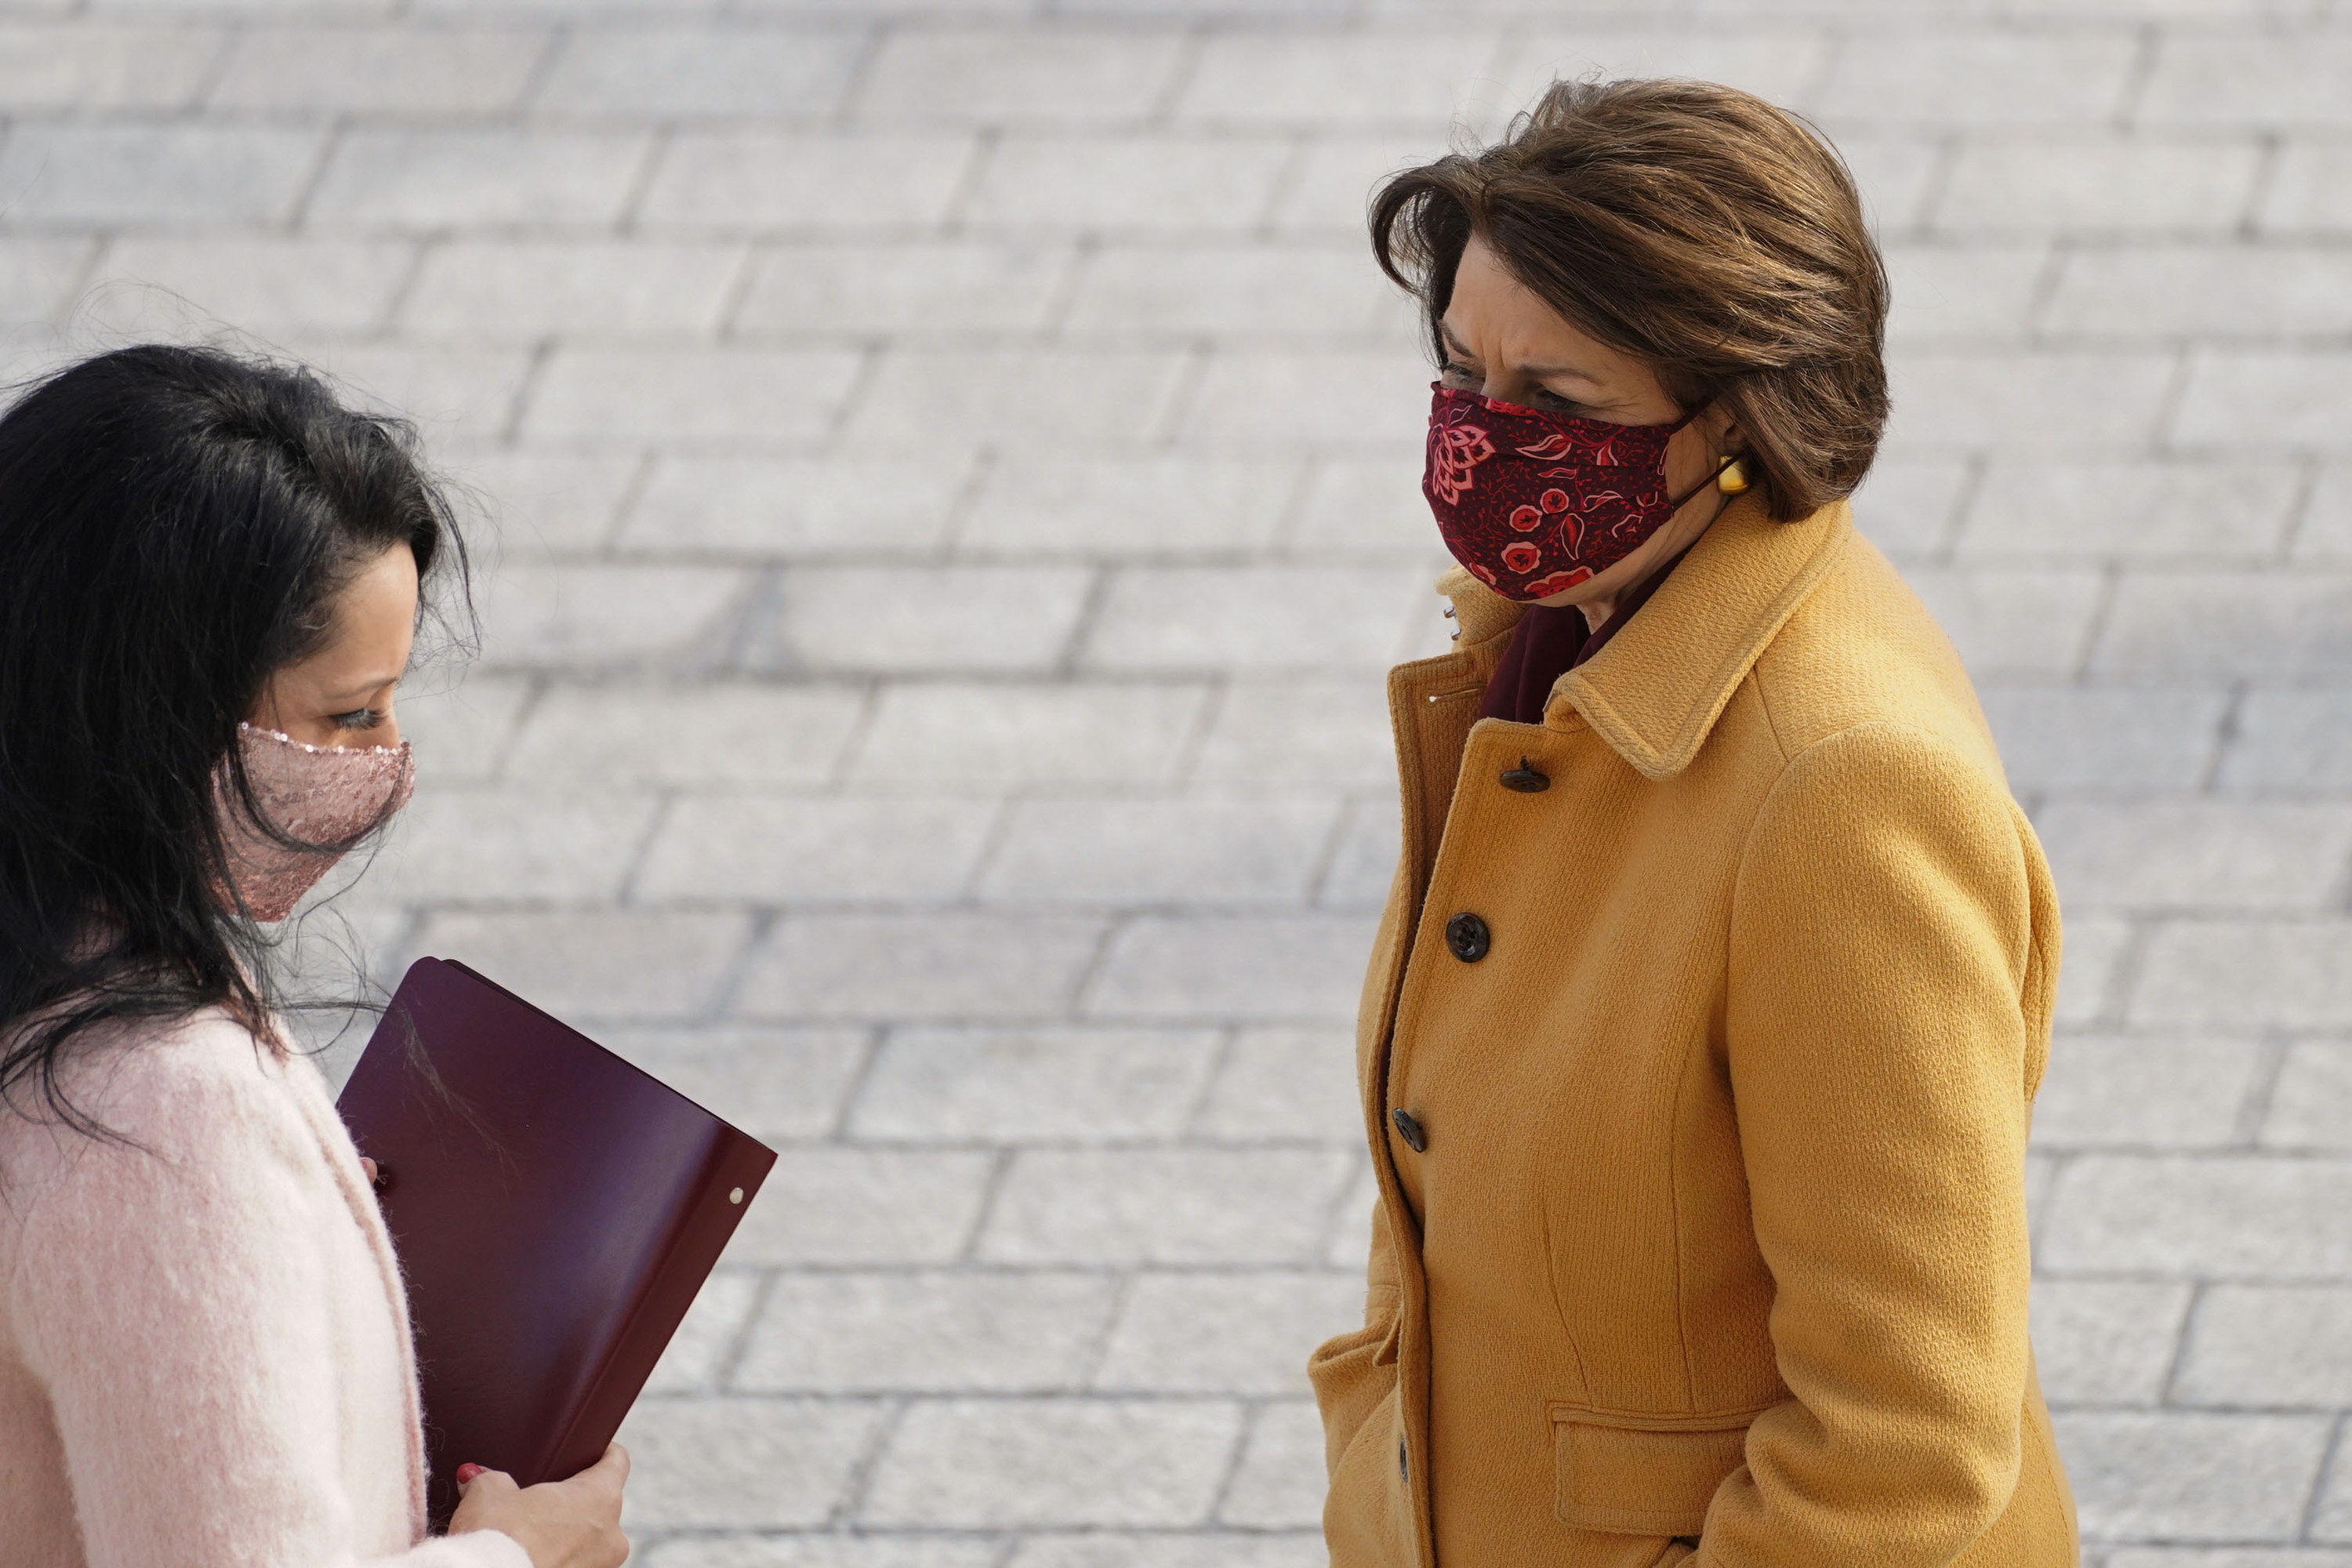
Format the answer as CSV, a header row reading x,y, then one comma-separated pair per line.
x,y
1696,228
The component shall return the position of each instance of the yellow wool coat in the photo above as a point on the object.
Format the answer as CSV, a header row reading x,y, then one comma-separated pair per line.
x,y
1701,1235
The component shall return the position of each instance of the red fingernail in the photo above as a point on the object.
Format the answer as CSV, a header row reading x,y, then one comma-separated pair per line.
x,y
468,1472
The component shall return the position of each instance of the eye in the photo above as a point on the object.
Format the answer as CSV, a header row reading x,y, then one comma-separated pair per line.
x,y
357,719
1458,375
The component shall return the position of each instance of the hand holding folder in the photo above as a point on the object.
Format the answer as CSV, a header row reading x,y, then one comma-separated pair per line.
x,y
555,1211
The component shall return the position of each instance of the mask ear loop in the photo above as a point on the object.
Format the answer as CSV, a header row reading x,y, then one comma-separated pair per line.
x,y
1677,502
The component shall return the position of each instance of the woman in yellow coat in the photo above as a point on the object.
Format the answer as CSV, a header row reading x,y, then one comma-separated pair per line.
x,y
1703,1028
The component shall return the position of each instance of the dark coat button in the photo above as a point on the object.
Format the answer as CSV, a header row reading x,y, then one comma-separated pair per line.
x,y
1468,938
1524,779
1409,1130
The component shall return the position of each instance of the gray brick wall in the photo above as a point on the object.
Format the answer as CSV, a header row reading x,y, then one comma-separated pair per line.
x,y
944,478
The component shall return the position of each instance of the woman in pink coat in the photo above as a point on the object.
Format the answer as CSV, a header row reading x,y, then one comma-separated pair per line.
x,y
208,585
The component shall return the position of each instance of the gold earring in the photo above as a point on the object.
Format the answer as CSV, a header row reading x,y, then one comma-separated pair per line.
x,y
1731,478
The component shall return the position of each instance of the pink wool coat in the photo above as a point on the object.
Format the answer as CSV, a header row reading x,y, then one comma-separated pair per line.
x,y
204,1357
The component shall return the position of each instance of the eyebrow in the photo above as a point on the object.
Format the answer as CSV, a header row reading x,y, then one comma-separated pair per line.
x,y
1539,372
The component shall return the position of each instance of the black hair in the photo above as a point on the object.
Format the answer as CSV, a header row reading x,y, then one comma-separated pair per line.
x,y
174,525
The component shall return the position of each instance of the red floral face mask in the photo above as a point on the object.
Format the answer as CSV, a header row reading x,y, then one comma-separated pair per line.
x,y
1535,503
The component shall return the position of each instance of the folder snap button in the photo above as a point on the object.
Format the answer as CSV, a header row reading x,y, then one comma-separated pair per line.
x,y
736,1196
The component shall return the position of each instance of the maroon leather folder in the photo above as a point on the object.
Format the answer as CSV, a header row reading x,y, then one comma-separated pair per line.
x,y
555,1211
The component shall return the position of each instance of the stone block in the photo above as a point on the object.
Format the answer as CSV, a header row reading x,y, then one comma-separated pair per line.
x,y
783,850
2311,1104
698,1354
1164,1205
775,1084
2011,622
1134,506
1363,868
826,181
920,966
1285,1084
75,175
1007,1463
1330,191
1053,1085
2281,1346
2182,1215
460,730
1247,293
1359,402
2332,1519
2182,1477
943,619
1226,1333
2105,1342
691,72
689,397
1000,78
103,66
508,845
1023,399
1348,1246
926,1332
1898,173
2145,1090
733,734
2088,986
579,617
786,506
420,71
2227,1557
586,965
2237,974
2061,403
1366,507
2324,532
459,396
862,1206
1326,80
2291,740
1280,1483
956,735
822,1552
1235,1549
1255,617
2260,625
1158,852
861,1550
2212,290
495,291
168,288
1156,182
2141,509
1968,292
2209,855
1269,968
1783,65
38,278
1321,731
2098,182
541,504
744,1463
905,289
437,178
2308,189
1906,508
2258,79
1935,76
2104,737
2261,400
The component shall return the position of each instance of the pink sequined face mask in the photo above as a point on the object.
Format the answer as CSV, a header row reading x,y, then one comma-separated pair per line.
x,y
327,795
1533,503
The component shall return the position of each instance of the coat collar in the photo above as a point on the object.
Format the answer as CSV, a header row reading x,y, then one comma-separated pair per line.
x,y
1656,692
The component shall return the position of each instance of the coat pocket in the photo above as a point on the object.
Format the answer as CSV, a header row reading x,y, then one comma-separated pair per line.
x,y
1641,1475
